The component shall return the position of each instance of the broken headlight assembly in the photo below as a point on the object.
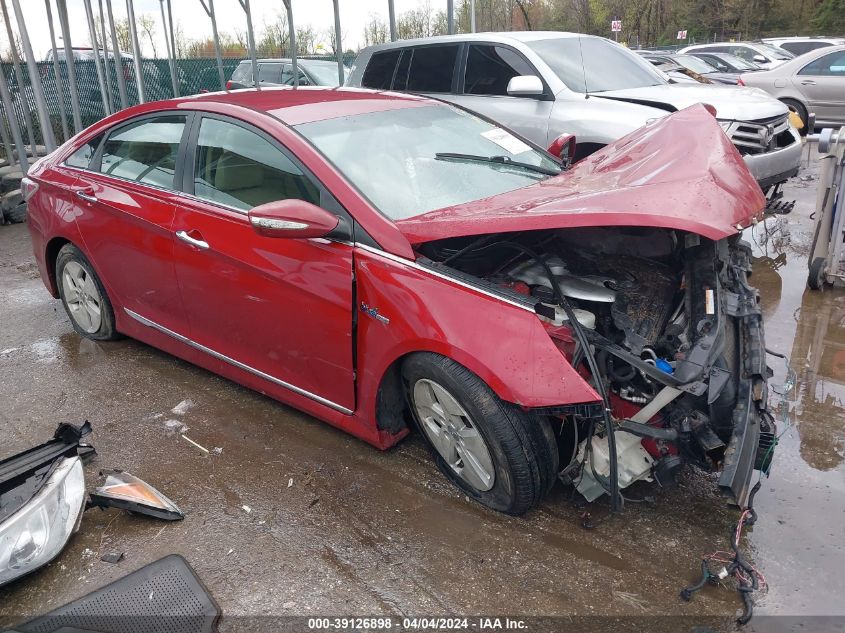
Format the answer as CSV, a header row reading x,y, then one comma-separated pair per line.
x,y
35,534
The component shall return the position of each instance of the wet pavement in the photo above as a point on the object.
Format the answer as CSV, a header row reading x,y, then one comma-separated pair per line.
x,y
292,517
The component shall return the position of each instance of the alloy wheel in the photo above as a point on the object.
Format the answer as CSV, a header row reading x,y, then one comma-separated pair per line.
x,y
453,434
81,296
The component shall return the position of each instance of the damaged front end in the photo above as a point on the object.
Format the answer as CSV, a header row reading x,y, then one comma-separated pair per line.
x,y
673,330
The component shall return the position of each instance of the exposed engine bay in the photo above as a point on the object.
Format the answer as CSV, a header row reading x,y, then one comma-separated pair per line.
x,y
668,332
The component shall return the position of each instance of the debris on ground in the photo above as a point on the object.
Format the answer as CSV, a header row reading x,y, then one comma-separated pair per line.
x,y
183,407
124,491
112,557
202,448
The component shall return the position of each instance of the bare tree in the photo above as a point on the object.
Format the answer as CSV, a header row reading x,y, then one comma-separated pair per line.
x,y
415,22
181,41
274,37
306,38
375,31
14,48
334,48
146,24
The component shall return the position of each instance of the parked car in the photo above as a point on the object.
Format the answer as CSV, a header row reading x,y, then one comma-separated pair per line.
x,y
379,260
673,71
814,82
726,63
697,68
279,72
536,84
801,45
764,55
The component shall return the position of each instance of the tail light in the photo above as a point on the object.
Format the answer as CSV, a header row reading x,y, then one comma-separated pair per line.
x,y
710,108
740,82
28,188
229,85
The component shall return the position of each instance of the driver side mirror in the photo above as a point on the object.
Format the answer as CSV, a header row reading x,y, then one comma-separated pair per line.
x,y
564,147
292,218
760,59
525,86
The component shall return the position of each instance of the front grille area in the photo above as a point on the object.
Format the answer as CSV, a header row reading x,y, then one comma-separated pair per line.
x,y
759,137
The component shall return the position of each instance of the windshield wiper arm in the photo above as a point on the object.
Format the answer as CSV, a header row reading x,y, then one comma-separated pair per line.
x,y
498,160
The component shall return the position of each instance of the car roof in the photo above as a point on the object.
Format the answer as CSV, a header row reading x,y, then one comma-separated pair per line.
x,y
505,38
287,60
305,104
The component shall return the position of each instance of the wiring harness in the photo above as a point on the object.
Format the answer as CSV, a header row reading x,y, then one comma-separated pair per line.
x,y
748,579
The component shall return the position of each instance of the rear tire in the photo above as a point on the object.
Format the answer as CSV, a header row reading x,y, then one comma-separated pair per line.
x,y
816,278
801,111
496,452
83,296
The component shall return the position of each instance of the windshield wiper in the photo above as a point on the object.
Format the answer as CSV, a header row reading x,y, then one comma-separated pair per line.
x,y
498,160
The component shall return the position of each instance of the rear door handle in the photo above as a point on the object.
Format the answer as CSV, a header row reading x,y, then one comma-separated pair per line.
x,y
808,82
183,235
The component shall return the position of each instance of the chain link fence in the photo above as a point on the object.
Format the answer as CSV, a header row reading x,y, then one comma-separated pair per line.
x,y
193,76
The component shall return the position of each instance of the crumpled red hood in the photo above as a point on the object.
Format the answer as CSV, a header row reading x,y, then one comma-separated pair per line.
x,y
679,172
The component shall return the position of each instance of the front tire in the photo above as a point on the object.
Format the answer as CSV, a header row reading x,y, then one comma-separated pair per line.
x,y
83,296
496,452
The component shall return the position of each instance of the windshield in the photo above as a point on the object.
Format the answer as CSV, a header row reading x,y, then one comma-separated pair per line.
x,y
391,157
324,74
694,64
606,66
774,51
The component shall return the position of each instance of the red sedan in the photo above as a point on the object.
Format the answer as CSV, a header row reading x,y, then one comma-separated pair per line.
x,y
383,260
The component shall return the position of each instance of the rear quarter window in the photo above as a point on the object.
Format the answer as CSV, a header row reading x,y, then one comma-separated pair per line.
x,y
242,73
379,71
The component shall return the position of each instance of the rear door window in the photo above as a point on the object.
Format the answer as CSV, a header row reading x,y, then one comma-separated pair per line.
x,y
238,168
379,72
490,68
799,48
270,73
432,68
145,151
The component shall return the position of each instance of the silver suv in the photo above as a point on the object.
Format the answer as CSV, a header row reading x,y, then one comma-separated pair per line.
x,y
543,84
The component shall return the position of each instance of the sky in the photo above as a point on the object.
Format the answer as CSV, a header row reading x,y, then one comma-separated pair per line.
x,y
354,14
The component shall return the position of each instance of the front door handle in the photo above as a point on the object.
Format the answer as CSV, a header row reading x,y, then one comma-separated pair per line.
x,y
85,195
183,235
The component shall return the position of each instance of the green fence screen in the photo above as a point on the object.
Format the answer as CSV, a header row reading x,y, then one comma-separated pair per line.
x,y
193,75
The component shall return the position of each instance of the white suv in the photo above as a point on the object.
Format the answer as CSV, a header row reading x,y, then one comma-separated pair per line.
x,y
801,45
766,56
537,84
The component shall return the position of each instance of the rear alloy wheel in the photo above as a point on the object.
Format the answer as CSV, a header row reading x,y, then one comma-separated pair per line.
x,y
83,296
496,452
